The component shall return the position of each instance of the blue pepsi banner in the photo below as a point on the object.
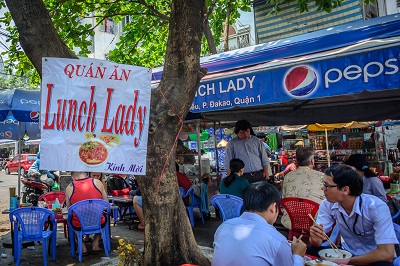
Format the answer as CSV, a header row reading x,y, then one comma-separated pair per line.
x,y
368,71
24,105
11,129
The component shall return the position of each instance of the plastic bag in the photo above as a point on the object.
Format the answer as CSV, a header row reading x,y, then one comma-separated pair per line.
x,y
56,187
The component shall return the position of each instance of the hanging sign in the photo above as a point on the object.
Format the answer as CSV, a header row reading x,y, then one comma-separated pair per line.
x,y
375,70
94,116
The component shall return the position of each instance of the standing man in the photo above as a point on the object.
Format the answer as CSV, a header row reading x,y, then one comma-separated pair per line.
x,y
251,239
365,224
303,182
250,150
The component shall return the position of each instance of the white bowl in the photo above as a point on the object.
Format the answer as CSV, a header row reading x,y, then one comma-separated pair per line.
x,y
330,255
320,263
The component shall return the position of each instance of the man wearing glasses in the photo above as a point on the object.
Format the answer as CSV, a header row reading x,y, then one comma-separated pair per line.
x,y
364,221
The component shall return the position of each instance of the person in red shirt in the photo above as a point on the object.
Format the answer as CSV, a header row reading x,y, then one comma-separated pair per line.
x,y
284,157
289,168
81,188
183,181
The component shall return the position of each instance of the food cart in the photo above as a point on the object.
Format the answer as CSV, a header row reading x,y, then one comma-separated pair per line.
x,y
334,142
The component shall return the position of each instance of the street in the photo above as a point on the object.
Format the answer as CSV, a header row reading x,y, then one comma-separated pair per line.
x,y
6,181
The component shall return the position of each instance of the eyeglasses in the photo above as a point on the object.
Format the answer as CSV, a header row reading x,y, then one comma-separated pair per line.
x,y
326,186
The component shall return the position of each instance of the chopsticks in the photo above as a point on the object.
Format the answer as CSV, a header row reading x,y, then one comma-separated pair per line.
x,y
333,246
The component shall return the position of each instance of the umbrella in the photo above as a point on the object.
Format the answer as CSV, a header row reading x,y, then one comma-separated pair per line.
x,y
19,106
12,129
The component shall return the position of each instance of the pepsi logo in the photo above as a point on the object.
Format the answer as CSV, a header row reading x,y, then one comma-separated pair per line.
x,y
300,81
8,134
34,115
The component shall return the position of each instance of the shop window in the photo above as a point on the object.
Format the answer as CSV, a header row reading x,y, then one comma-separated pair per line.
x,y
125,21
108,26
243,40
371,10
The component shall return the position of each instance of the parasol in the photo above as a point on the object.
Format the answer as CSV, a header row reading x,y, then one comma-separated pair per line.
x,y
19,106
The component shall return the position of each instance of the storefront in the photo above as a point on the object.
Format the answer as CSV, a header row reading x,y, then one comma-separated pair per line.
x,y
344,73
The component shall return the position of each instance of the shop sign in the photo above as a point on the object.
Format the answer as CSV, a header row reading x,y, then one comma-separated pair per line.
x,y
368,71
94,116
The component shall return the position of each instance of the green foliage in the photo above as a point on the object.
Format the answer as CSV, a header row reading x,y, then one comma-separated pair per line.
x,y
14,82
143,39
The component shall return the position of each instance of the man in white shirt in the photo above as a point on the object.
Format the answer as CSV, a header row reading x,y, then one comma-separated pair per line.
x,y
251,239
364,221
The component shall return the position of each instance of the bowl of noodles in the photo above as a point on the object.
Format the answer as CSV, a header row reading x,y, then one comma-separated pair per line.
x,y
93,153
339,256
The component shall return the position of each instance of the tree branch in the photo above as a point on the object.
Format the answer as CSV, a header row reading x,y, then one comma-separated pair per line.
x,y
151,8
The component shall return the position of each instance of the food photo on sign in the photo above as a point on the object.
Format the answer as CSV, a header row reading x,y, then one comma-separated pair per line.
x,y
94,116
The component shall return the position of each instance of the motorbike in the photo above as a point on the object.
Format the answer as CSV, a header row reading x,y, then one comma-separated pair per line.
x,y
34,188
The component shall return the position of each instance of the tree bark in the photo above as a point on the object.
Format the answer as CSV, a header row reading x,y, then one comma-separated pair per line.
x,y
209,37
37,34
168,235
226,27
169,238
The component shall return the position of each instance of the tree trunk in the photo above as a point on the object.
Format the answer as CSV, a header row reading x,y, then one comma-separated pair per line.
x,y
226,28
169,238
168,235
209,37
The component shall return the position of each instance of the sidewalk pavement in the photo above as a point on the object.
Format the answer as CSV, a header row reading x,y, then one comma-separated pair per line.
x,y
204,234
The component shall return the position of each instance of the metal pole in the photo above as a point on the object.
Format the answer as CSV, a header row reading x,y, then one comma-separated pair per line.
x,y
19,159
216,149
328,157
198,131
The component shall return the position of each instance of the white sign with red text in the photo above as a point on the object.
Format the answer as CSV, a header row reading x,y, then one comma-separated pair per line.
x,y
94,116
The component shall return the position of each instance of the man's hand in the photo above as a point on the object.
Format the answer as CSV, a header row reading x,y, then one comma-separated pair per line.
x,y
317,234
265,172
278,175
298,247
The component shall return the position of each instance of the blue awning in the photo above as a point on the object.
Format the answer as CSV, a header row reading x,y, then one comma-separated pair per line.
x,y
314,42
343,73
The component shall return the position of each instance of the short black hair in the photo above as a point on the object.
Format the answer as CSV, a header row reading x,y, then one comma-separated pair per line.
x,y
261,135
344,175
257,197
304,155
235,165
359,161
242,125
